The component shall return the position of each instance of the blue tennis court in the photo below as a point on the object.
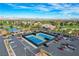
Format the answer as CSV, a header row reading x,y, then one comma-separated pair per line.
x,y
48,37
34,39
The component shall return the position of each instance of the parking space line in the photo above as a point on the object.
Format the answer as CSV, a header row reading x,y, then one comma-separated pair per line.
x,y
9,48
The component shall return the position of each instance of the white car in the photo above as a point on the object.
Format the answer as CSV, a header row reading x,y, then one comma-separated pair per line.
x,y
9,39
12,42
71,47
14,46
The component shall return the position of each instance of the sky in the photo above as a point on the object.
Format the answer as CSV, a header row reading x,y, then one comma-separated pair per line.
x,y
40,10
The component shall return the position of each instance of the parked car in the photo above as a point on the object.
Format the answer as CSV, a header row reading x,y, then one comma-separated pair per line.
x,y
14,46
12,42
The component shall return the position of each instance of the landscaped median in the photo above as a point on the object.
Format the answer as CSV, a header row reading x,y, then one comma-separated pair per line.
x,y
9,48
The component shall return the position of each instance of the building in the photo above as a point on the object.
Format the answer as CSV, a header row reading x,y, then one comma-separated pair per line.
x,y
49,26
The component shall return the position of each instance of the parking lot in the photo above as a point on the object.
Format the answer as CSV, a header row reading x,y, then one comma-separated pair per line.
x,y
17,46
21,48
3,51
53,47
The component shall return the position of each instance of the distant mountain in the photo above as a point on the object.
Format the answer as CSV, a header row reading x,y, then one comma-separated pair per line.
x,y
37,19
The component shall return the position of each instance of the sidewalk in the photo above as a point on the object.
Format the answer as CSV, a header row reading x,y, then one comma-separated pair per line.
x,y
43,53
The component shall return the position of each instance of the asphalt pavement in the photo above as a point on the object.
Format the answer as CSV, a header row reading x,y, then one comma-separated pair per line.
x,y
53,48
3,50
19,48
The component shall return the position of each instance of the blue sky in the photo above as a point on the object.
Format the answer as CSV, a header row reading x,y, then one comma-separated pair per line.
x,y
40,10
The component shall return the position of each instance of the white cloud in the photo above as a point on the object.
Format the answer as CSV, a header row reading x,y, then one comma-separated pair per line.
x,y
18,6
10,4
67,9
22,7
56,6
43,9
65,6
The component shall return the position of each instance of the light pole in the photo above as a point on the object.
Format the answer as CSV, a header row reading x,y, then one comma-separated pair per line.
x,y
25,50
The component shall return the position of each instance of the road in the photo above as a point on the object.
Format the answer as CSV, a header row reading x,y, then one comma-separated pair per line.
x,y
3,51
